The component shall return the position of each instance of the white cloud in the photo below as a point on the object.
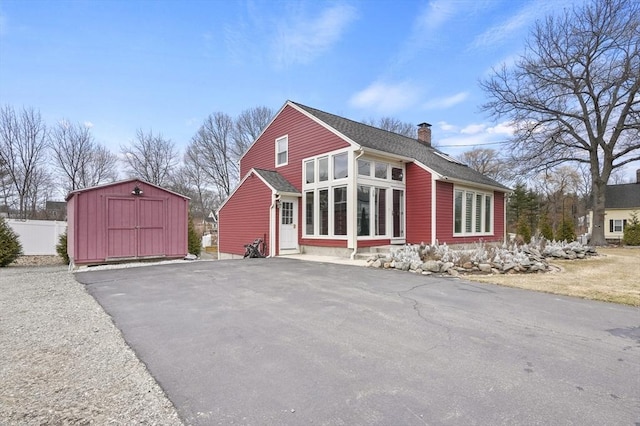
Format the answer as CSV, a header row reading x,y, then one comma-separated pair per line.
x,y
436,14
386,98
88,124
300,40
521,20
473,129
444,126
446,102
504,128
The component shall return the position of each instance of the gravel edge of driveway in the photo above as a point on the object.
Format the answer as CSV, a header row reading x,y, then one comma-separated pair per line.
x,y
63,361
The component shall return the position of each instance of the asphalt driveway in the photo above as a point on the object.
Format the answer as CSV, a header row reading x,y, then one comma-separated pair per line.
x,y
289,342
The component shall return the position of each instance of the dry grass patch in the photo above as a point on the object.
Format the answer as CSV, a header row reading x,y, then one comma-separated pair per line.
x,y
614,276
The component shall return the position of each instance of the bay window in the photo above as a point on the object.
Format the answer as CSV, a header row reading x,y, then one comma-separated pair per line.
x,y
472,212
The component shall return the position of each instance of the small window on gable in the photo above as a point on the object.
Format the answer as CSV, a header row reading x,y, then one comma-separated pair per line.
x,y
282,151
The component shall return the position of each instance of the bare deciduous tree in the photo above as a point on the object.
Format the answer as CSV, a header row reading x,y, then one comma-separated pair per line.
x,y
80,161
150,157
574,95
212,149
22,150
488,162
393,125
249,124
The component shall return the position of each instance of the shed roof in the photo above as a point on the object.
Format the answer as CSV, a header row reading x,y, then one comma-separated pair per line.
x,y
624,196
277,181
393,143
91,188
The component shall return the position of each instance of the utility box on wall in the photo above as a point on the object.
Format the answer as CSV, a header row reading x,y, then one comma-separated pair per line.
x,y
126,220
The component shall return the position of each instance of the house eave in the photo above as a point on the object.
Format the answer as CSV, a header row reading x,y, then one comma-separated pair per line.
x,y
474,184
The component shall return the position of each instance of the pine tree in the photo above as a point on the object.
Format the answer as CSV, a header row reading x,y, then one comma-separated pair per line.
x,y
10,247
194,241
567,230
632,231
545,227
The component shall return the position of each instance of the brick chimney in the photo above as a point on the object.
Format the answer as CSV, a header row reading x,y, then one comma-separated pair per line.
x,y
424,133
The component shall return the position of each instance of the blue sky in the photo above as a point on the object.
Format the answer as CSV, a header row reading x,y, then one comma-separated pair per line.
x,y
166,65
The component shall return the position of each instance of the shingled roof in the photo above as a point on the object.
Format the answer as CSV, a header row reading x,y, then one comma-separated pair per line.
x,y
393,143
277,181
624,196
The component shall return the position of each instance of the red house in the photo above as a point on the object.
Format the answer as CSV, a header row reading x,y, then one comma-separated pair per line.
x,y
314,182
126,220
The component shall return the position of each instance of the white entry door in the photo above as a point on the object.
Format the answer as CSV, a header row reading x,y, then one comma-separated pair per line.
x,y
288,224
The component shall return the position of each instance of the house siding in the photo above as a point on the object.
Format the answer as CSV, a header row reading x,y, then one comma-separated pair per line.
x,y
88,225
444,217
245,217
306,139
418,205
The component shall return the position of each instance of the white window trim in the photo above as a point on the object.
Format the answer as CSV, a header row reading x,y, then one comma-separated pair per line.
x,y
330,184
285,138
388,184
475,192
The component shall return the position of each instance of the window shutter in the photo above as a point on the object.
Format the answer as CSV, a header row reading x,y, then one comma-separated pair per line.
x,y
610,225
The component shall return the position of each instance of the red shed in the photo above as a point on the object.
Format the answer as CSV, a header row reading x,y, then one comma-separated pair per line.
x,y
126,220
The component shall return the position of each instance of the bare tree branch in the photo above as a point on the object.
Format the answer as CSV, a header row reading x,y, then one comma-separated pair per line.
x,y
574,94
22,151
80,161
249,124
150,157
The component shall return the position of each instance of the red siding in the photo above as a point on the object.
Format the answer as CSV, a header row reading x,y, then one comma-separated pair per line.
x,y
444,217
101,223
498,216
306,139
444,212
418,200
373,243
245,216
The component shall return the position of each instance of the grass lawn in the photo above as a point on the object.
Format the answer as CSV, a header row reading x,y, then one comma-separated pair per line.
x,y
613,276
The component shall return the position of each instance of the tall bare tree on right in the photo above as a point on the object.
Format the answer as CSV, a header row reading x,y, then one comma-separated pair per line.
x,y
573,96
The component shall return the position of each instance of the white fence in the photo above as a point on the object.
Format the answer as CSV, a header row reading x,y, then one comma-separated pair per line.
x,y
38,237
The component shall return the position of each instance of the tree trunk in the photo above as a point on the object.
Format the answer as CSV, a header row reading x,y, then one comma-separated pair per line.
x,y
598,198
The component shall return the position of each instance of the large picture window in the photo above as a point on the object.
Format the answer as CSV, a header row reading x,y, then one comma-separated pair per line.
x,y
340,211
472,213
323,207
364,211
380,201
309,222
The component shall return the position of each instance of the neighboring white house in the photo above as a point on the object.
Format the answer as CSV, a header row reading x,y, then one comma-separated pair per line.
x,y
620,202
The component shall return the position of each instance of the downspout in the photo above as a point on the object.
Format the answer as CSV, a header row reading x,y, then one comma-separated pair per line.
x,y
272,223
355,208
